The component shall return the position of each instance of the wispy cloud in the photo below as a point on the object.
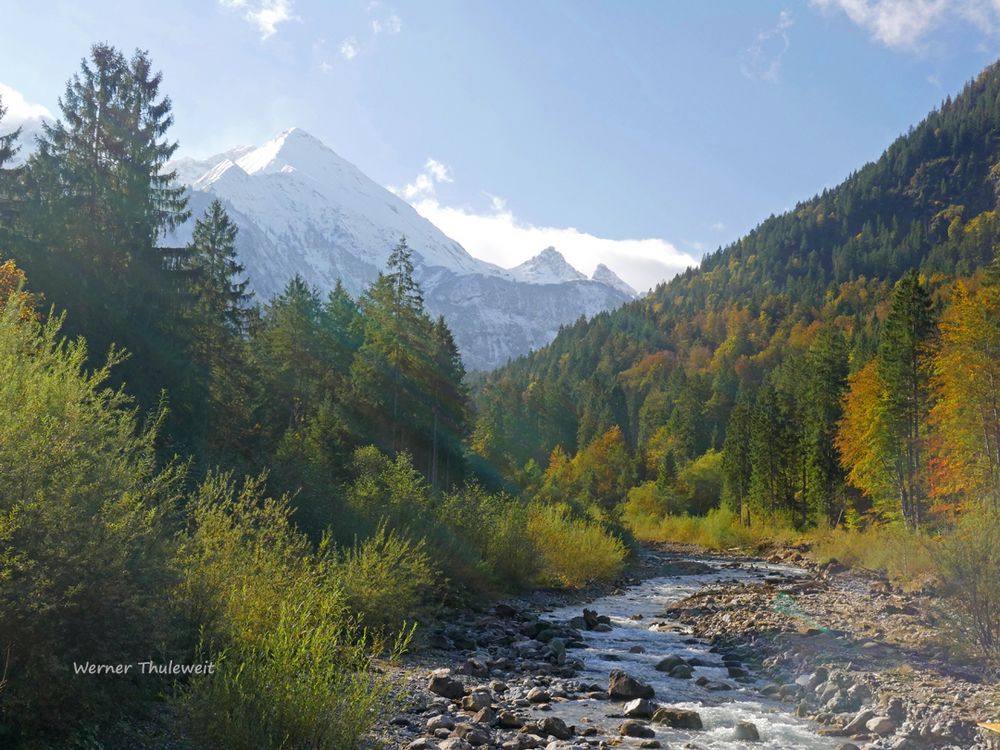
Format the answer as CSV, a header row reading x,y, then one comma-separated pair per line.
x,y
762,59
265,15
391,25
349,48
495,234
383,22
905,24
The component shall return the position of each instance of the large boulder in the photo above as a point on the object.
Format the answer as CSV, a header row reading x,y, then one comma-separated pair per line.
x,y
640,708
881,725
446,686
633,728
746,731
624,687
678,718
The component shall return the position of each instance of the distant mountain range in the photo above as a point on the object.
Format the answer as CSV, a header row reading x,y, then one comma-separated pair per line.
x,y
302,209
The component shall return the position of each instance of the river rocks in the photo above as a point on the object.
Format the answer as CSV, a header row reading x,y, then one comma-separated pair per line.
x,y
668,663
881,725
474,734
681,672
678,718
441,721
476,700
640,708
847,746
555,727
486,716
538,695
857,724
747,731
622,686
509,720
474,668
596,622
633,728
445,686
422,743
455,743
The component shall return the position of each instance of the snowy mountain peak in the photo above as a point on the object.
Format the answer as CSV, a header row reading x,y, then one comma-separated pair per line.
x,y
548,267
605,275
291,149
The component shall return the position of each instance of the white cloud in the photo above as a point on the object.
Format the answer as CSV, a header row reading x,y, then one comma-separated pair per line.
x,y
22,114
498,236
762,60
434,172
904,24
391,25
349,48
266,15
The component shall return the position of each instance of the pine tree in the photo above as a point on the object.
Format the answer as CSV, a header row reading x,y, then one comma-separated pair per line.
x,y
826,382
904,369
388,364
449,399
217,321
737,462
96,201
220,292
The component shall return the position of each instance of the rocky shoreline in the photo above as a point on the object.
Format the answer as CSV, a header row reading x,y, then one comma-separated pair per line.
x,y
836,647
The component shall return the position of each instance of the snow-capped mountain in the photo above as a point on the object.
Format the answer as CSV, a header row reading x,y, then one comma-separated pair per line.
x,y
605,275
548,267
302,209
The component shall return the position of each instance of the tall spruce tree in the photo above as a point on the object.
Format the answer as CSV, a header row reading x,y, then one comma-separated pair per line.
x,y
904,366
218,282
826,383
97,201
218,319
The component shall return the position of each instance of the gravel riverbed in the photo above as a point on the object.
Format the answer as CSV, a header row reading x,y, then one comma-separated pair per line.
x,y
697,651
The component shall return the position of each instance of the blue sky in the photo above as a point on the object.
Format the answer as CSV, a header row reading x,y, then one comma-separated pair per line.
x,y
522,123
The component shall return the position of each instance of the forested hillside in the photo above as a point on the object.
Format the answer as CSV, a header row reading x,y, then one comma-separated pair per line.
x,y
732,379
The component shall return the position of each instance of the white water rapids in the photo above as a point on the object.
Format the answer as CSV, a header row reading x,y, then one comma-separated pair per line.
x,y
720,711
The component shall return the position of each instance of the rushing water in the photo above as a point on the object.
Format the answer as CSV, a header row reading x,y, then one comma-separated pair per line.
x,y
720,711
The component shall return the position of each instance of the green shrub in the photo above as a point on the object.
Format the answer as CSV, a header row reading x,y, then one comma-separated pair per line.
x,y
82,543
294,662
573,551
968,565
494,527
386,579
307,683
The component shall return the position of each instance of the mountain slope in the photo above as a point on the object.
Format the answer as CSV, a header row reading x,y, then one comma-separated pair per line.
x,y
302,209
929,203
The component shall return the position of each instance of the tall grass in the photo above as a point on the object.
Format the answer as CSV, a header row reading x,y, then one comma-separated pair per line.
x,y
904,555
717,530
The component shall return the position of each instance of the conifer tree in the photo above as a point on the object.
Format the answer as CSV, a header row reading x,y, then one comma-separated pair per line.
x,y
220,291
904,367
826,382
97,201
